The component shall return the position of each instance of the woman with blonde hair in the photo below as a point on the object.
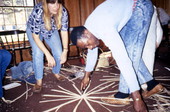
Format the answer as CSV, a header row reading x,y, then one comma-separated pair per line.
x,y
44,23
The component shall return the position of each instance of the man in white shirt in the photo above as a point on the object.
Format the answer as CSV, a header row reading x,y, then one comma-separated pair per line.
x,y
144,70
105,23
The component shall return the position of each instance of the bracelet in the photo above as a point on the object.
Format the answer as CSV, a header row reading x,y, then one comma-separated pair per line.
x,y
137,99
65,49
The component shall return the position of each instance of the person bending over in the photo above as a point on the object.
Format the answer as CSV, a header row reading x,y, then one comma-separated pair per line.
x,y
144,70
105,23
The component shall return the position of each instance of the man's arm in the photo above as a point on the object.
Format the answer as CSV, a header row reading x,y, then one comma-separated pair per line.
x,y
91,60
113,40
85,81
90,64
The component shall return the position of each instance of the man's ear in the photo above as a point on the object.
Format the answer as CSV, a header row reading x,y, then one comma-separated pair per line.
x,y
86,31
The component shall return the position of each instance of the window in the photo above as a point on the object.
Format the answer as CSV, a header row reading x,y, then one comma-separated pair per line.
x,y
14,14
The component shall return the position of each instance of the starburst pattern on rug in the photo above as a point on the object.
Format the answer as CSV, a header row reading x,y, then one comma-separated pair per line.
x,y
88,96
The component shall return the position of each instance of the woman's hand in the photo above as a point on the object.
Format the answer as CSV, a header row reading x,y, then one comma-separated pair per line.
x,y
50,60
40,44
63,56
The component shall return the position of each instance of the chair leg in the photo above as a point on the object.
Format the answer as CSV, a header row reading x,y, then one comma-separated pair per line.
x,y
14,57
21,57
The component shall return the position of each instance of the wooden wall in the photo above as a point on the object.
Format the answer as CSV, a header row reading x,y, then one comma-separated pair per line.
x,y
80,9
165,4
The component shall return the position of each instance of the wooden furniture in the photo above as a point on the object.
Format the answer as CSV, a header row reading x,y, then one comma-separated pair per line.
x,y
14,40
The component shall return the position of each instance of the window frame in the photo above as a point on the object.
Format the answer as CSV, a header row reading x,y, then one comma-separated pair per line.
x,y
15,25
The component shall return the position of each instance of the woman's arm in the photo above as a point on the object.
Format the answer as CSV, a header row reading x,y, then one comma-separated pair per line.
x,y
50,59
64,37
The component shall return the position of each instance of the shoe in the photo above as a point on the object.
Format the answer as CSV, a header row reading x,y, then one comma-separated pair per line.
x,y
157,89
61,78
37,88
118,101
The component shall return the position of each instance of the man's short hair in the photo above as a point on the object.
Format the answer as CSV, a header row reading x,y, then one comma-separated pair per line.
x,y
76,34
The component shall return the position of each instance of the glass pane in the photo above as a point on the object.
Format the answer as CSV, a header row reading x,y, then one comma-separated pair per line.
x,y
1,10
1,20
28,2
12,18
21,27
23,3
20,16
28,12
6,2
16,2
9,18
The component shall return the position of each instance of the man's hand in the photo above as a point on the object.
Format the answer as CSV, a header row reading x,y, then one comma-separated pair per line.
x,y
50,60
138,102
85,81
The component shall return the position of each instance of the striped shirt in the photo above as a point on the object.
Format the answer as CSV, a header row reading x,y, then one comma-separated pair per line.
x,y
37,26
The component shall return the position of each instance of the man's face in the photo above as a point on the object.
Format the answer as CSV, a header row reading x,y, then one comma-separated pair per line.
x,y
87,41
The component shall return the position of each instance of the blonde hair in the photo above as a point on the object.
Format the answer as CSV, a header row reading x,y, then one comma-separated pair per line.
x,y
38,1
47,16
59,17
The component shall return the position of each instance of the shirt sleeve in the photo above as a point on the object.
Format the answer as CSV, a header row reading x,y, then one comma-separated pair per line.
x,y
91,60
114,42
64,21
36,20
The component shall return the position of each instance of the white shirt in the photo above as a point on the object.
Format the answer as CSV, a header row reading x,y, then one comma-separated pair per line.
x,y
104,23
108,17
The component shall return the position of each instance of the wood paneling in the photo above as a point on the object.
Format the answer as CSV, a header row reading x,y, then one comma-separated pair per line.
x,y
87,6
79,10
97,2
165,4
73,7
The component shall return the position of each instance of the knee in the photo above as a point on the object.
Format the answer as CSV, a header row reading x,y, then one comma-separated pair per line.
x,y
6,55
37,53
57,54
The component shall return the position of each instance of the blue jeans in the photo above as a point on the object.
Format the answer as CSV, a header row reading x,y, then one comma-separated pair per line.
x,y
5,59
38,56
134,36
